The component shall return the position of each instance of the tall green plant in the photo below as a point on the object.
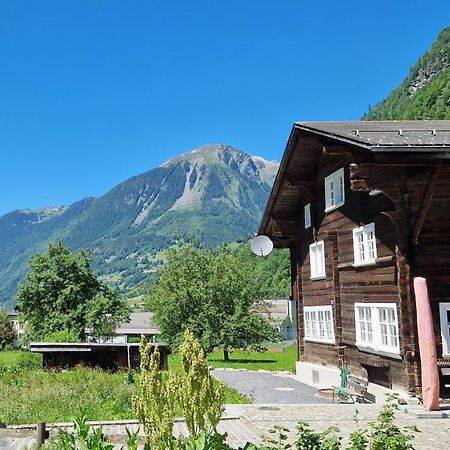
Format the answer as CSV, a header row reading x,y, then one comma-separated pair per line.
x,y
155,404
200,397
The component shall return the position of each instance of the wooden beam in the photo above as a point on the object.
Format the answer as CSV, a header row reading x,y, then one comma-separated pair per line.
x,y
370,176
284,229
279,218
335,150
297,181
428,194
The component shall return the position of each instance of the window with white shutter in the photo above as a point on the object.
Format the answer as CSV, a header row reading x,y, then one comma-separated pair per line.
x,y
307,214
317,260
334,190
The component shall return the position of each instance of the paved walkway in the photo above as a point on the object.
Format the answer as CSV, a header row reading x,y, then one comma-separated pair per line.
x,y
269,387
250,422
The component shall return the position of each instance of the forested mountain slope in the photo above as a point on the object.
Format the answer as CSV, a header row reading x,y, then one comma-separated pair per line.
x,y
425,92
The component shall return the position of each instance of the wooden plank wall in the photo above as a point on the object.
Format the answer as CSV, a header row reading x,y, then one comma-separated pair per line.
x,y
431,257
344,285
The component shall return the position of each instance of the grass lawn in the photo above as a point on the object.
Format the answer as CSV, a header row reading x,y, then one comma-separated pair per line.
x,y
30,394
280,360
14,358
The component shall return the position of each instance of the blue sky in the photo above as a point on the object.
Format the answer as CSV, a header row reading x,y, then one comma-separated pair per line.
x,y
95,91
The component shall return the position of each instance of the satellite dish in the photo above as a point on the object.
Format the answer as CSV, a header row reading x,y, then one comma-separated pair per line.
x,y
261,245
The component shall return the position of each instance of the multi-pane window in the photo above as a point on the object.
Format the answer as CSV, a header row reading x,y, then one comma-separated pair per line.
x,y
319,323
307,215
444,310
317,259
377,326
365,244
365,324
334,190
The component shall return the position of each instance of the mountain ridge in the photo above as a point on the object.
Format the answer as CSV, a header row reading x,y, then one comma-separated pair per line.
x,y
196,193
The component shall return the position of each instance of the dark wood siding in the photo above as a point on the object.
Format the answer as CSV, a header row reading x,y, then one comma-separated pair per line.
x,y
344,284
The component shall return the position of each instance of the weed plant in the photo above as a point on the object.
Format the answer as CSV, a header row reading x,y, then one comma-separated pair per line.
x,y
30,394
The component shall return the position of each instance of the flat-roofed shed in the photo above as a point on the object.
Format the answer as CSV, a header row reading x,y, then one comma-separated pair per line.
x,y
108,356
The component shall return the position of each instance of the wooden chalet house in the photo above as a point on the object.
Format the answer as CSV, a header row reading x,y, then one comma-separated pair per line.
x,y
364,207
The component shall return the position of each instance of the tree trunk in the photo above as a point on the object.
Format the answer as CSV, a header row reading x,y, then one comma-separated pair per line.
x,y
226,356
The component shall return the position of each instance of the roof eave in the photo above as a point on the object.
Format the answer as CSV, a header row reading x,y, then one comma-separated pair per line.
x,y
287,155
290,145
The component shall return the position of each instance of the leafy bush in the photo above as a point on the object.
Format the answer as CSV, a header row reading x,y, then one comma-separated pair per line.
x,y
62,336
7,332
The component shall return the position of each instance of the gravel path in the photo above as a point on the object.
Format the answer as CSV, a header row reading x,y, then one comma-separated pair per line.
x,y
269,387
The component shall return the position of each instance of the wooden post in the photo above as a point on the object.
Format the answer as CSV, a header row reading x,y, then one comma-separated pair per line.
x,y
41,434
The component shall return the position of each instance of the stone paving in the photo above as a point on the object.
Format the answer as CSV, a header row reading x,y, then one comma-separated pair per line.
x,y
250,422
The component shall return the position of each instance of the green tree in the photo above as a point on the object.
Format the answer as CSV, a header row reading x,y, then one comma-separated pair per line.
x,y
212,293
7,332
62,292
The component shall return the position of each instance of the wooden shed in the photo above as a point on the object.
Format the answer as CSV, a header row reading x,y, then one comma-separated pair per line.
x,y
364,207
108,356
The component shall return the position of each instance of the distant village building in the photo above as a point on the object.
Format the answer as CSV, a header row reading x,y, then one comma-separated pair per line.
x,y
282,313
13,317
364,207
140,323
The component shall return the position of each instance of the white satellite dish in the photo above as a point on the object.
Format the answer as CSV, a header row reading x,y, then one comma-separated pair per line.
x,y
261,245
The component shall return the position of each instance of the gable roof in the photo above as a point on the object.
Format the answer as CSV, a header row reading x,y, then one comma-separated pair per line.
x,y
139,323
367,140
384,134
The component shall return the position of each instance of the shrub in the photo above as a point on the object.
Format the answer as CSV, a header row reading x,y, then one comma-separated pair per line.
x,y
62,336
7,333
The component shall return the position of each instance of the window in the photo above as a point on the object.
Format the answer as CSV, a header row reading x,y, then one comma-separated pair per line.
x,y
365,244
307,215
377,326
444,310
317,259
334,190
319,323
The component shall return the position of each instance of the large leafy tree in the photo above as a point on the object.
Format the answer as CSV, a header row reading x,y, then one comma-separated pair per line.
x,y
63,293
7,332
212,293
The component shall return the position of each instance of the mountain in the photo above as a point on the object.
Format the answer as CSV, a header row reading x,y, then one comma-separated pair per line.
x,y
425,92
216,193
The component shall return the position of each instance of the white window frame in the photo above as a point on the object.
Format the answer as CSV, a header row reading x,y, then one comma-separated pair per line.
x,y
317,328
317,260
307,213
377,328
334,190
364,245
445,328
